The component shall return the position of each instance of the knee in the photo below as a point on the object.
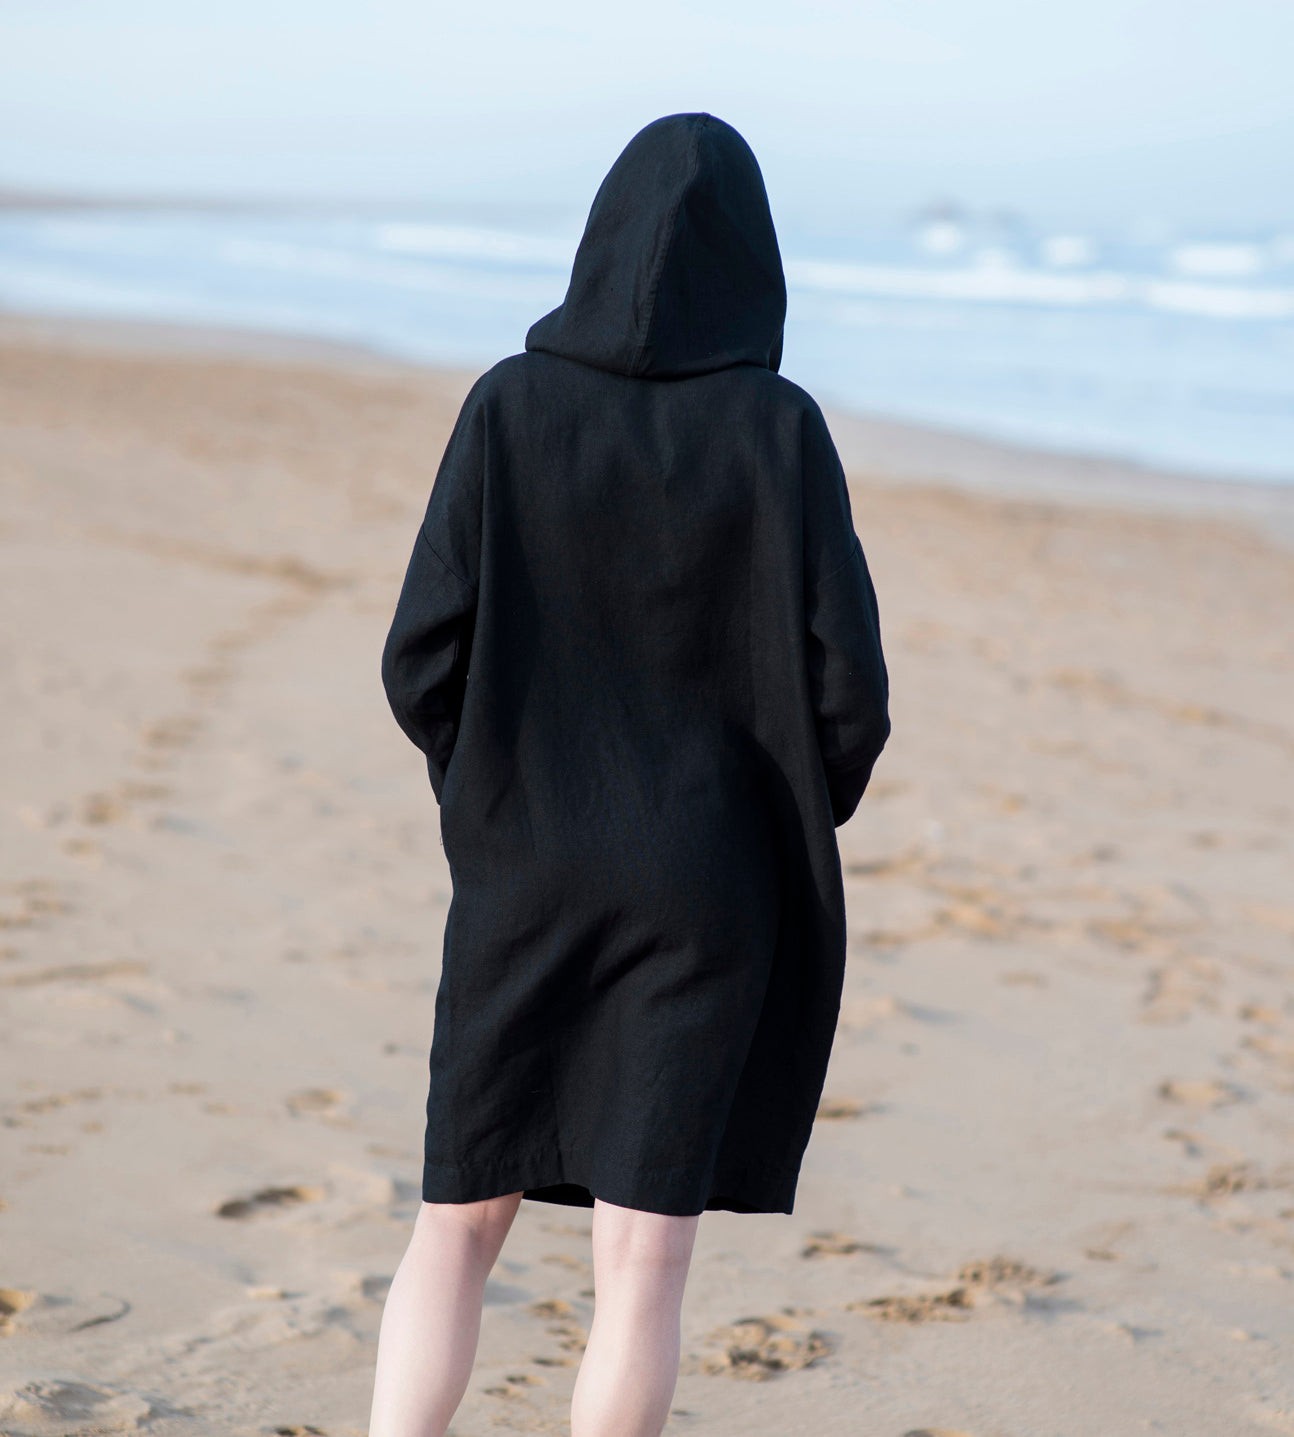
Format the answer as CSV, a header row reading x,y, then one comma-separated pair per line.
x,y
481,1224
647,1245
650,1263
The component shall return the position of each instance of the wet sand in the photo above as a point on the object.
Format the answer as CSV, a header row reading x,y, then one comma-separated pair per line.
x,y
1052,1186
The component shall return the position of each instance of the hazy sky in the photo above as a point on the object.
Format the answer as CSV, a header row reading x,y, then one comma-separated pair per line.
x,y
1110,111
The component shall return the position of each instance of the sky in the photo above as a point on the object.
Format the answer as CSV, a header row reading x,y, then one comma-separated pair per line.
x,y
1113,112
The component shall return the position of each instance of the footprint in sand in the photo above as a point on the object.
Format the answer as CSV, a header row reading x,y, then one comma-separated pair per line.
x,y
50,1102
13,1300
936,1432
76,973
1259,1013
1004,1272
998,1277
1174,992
1271,1048
979,917
24,905
832,1110
375,1287
756,1349
560,1315
102,808
54,1406
835,1244
1225,1179
951,1306
114,805
269,1200
1200,1092
57,1313
315,1102
888,865
564,1259
161,742
300,1429
104,1309
1106,1239
515,1382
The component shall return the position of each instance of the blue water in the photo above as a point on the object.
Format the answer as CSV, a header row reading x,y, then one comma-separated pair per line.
x,y
1176,352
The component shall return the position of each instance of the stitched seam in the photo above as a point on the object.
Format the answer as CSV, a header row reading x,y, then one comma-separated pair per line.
x,y
668,250
449,568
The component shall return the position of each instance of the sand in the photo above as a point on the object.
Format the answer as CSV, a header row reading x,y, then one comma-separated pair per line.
x,y
1051,1192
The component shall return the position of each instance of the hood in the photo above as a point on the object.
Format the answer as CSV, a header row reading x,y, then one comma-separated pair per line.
x,y
678,271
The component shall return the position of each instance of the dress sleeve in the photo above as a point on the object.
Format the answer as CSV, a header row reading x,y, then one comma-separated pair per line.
x,y
848,682
425,660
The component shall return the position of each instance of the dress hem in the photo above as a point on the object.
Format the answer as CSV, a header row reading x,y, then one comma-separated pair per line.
x,y
659,1191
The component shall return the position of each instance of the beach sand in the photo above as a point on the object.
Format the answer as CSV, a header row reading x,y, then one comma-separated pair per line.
x,y
1051,1192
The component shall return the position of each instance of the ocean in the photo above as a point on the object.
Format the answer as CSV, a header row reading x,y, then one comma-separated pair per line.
x,y
1171,350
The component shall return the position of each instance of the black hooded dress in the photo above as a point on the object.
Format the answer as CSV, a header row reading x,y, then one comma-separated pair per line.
x,y
638,644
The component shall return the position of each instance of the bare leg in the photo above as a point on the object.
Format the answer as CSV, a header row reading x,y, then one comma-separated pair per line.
x,y
626,1380
432,1318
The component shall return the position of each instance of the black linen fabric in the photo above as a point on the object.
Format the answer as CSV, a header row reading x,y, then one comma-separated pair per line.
x,y
638,644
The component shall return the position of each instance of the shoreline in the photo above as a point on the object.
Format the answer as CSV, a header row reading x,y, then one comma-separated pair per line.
x,y
873,448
